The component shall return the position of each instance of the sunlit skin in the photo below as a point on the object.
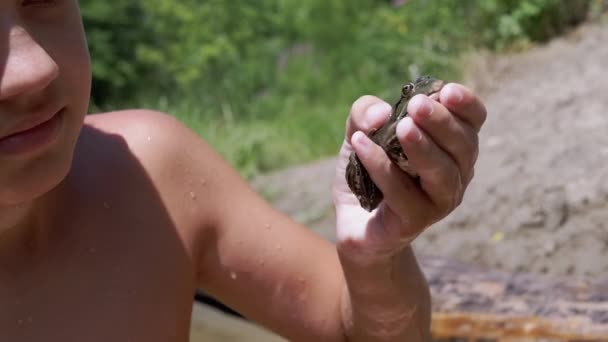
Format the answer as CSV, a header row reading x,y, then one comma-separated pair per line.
x,y
109,222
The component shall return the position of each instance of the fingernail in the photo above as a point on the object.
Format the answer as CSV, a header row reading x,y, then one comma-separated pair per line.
x,y
376,114
406,128
420,106
361,141
453,93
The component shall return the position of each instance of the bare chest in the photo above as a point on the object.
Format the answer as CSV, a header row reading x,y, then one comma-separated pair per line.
x,y
110,284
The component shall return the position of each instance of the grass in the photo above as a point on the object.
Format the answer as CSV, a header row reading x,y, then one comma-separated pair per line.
x,y
297,131
300,113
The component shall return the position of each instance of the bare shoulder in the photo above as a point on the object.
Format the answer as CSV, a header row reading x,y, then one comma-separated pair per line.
x,y
234,233
185,171
144,131
158,140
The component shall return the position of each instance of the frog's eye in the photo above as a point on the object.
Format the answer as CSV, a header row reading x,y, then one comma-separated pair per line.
x,y
407,88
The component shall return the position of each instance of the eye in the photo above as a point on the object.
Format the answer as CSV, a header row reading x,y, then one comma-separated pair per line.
x,y
407,88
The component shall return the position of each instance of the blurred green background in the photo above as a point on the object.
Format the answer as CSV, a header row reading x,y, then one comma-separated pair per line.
x,y
270,83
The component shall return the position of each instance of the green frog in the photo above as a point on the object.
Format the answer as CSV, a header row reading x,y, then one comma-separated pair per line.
x,y
357,177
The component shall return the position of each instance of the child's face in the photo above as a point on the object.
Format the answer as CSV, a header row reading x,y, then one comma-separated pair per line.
x,y
44,94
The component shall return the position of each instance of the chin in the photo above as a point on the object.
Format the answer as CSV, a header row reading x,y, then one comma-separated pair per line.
x,y
32,179
32,183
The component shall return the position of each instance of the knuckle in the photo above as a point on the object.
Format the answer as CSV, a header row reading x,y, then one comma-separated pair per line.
x,y
450,203
444,118
442,211
440,117
457,190
454,187
478,112
483,111
471,150
467,150
471,175
474,158
459,197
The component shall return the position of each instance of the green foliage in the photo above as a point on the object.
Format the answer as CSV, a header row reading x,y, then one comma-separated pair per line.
x,y
508,23
269,83
111,36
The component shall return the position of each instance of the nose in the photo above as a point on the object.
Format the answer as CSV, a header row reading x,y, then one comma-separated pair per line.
x,y
27,67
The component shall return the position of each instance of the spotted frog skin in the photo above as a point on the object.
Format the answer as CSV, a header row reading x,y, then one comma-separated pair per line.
x,y
357,177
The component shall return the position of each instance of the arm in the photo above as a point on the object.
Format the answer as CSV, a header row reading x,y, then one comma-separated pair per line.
x,y
281,275
388,299
242,251
278,273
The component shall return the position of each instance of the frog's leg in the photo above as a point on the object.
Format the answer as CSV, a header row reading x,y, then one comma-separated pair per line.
x,y
400,110
372,132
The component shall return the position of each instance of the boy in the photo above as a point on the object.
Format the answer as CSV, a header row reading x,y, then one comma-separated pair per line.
x,y
108,223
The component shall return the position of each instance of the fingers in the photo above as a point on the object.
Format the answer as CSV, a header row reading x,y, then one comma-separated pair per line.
x,y
462,102
441,142
450,133
366,113
440,139
401,192
440,175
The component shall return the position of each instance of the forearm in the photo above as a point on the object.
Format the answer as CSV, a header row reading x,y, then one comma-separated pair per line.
x,y
386,301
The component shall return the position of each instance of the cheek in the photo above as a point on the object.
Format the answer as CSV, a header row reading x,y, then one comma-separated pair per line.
x,y
75,69
65,42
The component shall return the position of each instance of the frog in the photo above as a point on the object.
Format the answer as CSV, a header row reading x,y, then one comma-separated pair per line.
x,y
357,177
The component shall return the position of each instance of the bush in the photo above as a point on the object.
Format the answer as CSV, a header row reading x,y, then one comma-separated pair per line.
x,y
216,51
260,67
505,23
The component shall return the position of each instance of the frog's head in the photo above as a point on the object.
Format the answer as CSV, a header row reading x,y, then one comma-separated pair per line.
x,y
422,85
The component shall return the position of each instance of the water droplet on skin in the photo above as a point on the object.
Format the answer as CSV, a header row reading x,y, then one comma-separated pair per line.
x,y
203,181
192,195
268,226
106,205
149,138
233,275
92,250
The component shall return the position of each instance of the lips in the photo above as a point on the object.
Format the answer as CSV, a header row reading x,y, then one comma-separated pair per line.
x,y
32,120
28,129
32,133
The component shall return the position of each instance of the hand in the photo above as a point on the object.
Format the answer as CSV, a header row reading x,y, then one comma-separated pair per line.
x,y
440,139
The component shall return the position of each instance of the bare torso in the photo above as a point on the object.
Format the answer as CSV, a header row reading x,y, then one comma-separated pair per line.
x,y
110,264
